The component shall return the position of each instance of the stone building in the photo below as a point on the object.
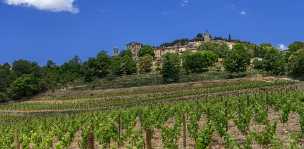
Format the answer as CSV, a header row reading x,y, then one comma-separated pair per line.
x,y
207,37
181,47
115,51
134,47
191,46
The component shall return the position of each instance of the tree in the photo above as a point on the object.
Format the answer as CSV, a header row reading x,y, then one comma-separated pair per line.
x,y
271,60
71,70
171,68
103,64
50,64
6,77
237,60
146,50
128,65
219,49
21,67
3,97
295,46
199,62
116,65
25,86
261,50
51,75
89,70
125,52
296,64
145,64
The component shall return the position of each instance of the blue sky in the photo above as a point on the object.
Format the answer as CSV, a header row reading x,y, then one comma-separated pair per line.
x,y
59,29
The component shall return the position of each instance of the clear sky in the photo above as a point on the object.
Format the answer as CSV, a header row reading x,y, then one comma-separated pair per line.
x,y
60,29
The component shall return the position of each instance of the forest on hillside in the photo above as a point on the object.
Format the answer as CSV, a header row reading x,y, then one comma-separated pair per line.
x,y
24,78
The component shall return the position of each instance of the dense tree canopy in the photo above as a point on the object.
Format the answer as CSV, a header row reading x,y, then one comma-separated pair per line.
x,y
25,78
128,65
103,64
51,75
221,49
198,62
123,65
21,67
295,46
146,50
171,68
271,60
6,77
296,64
125,52
116,65
238,59
145,64
25,86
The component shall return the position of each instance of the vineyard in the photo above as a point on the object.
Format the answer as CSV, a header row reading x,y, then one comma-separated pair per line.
x,y
217,114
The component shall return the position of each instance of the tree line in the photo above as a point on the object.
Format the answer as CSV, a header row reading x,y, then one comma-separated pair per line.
x,y
25,78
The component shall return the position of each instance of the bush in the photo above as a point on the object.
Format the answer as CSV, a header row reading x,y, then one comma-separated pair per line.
x,y
171,68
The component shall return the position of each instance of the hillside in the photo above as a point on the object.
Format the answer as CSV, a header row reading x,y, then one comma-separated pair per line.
x,y
236,113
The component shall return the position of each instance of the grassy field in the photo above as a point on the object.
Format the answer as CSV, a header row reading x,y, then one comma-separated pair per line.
x,y
239,113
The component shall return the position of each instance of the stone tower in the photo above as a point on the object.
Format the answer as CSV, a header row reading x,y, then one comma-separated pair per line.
x,y
115,51
207,37
134,47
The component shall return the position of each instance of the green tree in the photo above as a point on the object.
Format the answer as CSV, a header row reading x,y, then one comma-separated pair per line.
x,y
145,64
198,62
220,49
261,50
295,46
51,75
21,67
271,60
171,68
103,65
117,65
146,50
71,70
296,64
125,52
6,77
3,97
128,65
89,70
237,60
25,86
51,64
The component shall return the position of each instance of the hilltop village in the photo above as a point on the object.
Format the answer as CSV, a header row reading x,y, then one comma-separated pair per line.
x,y
181,46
